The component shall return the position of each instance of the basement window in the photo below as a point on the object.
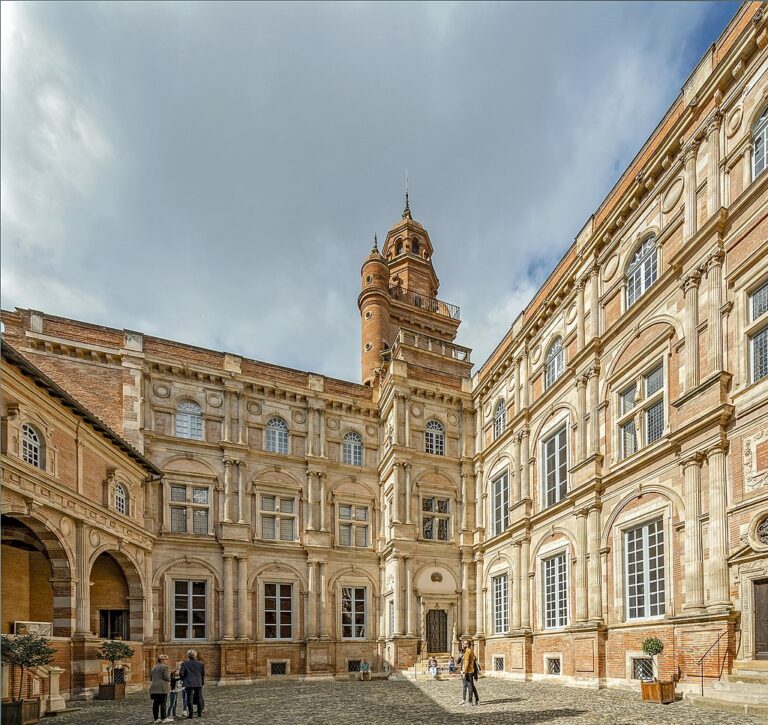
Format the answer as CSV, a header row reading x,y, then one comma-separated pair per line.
x,y
498,664
353,665
278,668
642,668
554,666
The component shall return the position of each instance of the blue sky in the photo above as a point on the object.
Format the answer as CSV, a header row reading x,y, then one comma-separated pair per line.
x,y
215,173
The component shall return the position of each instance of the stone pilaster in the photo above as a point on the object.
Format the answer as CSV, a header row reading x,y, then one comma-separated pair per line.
x,y
227,490
581,417
582,589
525,472
398,596
694,566
516,547
580,327
480,597
525,601
242,597
408,493
719,596
229,604
713,162
690,223
715,323
83,587
595,573
410,618
517,469
690,287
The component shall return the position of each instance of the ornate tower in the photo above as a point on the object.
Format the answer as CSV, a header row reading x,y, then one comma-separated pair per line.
x,y
374,305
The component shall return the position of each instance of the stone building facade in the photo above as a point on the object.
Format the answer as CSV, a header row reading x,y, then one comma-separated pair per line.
x,y
602,478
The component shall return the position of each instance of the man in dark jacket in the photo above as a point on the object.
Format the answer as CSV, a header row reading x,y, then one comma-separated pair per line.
x,y
192,674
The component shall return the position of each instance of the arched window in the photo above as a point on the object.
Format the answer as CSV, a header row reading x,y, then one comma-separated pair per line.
x,y
121,499
499,418
555,363
189,420
277,436
641,273
415,246
399,248
434,438
352,452
760,144
31,446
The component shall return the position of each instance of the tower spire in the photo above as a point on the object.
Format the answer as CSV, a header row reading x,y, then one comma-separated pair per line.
x,y
375,243
407,210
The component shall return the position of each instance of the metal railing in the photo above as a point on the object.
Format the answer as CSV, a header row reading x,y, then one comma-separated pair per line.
x,y
430,304
700,663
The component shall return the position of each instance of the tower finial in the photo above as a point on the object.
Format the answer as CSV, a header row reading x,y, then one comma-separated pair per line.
x,y
407,210
375,243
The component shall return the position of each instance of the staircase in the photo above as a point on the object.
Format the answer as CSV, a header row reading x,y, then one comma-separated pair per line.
x,y
420,670
744,691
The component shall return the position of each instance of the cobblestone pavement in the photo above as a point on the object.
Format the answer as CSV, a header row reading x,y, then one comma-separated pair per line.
x,y
391,702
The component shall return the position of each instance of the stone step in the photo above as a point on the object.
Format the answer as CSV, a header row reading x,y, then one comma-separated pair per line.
x,y
718,703
758,684
747,678
757,667
724,692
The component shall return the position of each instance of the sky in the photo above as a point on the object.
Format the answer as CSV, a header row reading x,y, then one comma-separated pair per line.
x,y
215,173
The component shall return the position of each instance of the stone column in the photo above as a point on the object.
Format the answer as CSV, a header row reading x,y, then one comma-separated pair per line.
x,y
240,491
463,501
242,597
382,603
241,418
229,626
310,616
525,473
480,597
690,288
580,332
409,603
719,595
516,584
516,469
149,600
407,421
582,603
408,493
525,601
398,490
715,324
595,575
690,223
479,498
747,167
227,490
713,162
227,416
581,415
321,416
464,624
323,504
322,567
594,301
398,597
594,403
524,379
694,566
311,500
83,587
397,419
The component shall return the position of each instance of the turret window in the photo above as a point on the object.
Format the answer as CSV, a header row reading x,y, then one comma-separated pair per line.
x,y
434,438
352,449
277,436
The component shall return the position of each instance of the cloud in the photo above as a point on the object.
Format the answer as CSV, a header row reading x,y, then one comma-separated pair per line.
x,y
215,172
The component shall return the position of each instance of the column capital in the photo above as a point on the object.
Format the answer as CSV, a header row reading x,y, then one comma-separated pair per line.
x,y
714,260
695,458
228,462
690,149
690,282
241,557
581,380
714,120
228,556
517,544
721,447
582,513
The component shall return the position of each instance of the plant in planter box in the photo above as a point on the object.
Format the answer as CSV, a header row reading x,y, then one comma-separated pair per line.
x,y
24,651
656,691
113,651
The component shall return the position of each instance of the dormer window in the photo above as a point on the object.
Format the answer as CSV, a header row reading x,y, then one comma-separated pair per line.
x,y
555,363
31,446
189,420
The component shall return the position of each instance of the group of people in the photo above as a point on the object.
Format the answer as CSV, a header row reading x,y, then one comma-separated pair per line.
x,y
187,680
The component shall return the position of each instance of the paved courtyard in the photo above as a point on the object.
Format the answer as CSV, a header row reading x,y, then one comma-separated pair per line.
x,y
361,703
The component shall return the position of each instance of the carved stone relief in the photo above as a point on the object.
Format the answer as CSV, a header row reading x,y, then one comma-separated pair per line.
x,y
756,460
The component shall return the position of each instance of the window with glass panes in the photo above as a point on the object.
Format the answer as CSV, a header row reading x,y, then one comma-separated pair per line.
x,y
352,449
500,503
642,270
555,363
189,609
641,411
353,525
760,144
435,518
190,508
278,517
500,419
555,591
353,614
644,548
500,604
758,333
434,438
555,451
278,611
277,436
189,420
31,447
121,499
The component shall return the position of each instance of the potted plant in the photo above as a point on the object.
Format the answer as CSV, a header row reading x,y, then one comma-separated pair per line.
x,y
24,651
654,690
113,651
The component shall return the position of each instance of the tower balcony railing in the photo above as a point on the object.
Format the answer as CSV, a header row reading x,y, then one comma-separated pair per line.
x,y
430,304
430,344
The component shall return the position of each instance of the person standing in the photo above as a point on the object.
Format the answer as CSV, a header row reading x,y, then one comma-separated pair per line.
x,y
176,690
202,689
468,675
192,674
159,687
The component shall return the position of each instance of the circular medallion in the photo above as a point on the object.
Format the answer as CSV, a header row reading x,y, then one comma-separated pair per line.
x,y
162,391
436,576
416,411
333,423
536,354
214,401
254,407
762,531
733,124
452,419
65,525
95,538
298,416
672,195
570,315
610,267
371,430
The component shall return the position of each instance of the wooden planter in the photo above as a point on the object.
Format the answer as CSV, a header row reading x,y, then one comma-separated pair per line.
x,y
661,692
21,713
112,692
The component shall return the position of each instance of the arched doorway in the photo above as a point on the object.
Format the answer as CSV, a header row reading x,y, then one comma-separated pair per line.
x,y
116,598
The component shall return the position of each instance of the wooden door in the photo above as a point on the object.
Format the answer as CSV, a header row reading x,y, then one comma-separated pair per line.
x,y
761,619
437,630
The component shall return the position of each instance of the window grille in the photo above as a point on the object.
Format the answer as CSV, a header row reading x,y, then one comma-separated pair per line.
x,y
556,466
642,668
641,272
500,488
353,613
278,668
434,438
553,666
189,609
189,420
555,592
278,611
498,664
760,144
435,516
500,604
353,665
31,447
555,363
352,449
645,584
121,499
499,419
277,436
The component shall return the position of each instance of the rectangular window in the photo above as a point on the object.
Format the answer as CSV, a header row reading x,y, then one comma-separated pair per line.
x,y
645,571
642,668
555,467
353,525
113,623
654,422
555,592
628,439
758,338
435,517
200,521
178,520
500,487
278,518
353,614
500,604
190,509
189,609
278,611
642,412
